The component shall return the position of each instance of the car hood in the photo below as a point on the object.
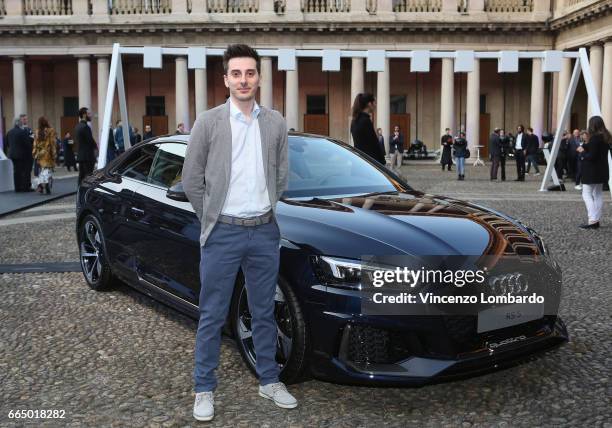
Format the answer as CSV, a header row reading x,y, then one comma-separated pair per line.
x,y
400,223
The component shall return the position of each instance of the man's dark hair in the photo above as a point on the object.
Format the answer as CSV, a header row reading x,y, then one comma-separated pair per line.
x,y
530,129
240,51
83,112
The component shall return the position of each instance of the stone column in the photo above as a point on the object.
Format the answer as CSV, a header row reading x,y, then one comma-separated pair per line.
x,y
266,95
537,98
472,130
596,62
447,96
102,88
20,94
201,91
182,93
565,76
84,76
292,99
606,86
383,103
357,86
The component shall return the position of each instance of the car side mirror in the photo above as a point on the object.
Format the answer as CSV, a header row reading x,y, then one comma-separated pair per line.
x,y
176,193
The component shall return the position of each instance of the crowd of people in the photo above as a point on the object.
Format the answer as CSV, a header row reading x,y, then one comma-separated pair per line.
x,y
41,151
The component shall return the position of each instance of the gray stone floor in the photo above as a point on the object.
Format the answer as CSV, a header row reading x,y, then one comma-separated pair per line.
x,y
120,359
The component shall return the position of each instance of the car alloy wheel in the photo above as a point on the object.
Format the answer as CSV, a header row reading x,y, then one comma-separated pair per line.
x,y
92,254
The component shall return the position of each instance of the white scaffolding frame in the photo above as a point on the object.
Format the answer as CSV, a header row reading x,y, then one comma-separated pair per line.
x,y
508,62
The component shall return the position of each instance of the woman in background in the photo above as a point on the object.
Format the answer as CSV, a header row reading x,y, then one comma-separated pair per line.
x,y
362,128
594,158
45,153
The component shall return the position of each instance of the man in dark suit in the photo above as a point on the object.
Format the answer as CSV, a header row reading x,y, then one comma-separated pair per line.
x,y
520,149
86,143
148,132
20,141
533,145
495,152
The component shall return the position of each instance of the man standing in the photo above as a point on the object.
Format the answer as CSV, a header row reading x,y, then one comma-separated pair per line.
x,y
520,145
148,133
20,144
180,129
495,152
447,143
396,148
572,155
86,156
533,145
235,171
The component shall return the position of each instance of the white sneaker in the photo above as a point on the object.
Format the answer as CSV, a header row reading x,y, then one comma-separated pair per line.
x,y
278,393
578,187
537,173
204,406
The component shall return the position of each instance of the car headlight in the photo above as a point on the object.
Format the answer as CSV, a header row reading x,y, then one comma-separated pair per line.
x,y
344,273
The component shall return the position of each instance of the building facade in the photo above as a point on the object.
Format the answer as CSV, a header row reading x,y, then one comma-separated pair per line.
x,y
55,55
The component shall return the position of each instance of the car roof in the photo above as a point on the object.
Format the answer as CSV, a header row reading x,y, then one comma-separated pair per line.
x,y
184,138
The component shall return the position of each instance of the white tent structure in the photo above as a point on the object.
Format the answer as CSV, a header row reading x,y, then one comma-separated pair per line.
x,y
508,62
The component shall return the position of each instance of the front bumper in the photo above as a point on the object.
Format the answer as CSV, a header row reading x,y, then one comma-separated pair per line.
x,y
360,356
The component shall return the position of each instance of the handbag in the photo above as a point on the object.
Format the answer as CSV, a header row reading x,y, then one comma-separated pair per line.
x,y
467,153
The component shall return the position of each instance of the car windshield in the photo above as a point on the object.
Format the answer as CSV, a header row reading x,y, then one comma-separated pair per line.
x,y
320,167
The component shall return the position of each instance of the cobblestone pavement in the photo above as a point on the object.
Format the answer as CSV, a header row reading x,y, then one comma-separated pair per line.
x,y
120,359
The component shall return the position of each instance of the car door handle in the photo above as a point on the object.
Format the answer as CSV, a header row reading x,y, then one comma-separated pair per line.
x,y
137,211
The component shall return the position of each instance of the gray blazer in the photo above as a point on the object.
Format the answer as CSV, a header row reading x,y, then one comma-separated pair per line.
x,y
208,162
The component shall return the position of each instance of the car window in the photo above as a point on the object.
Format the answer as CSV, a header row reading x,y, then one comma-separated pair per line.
x,y
168,164
322,167
138,163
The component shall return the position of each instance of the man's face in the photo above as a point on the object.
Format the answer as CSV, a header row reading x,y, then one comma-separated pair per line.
x,y
448,132
396,129
502,132
519,130
147,128
576,133
24,121
242,78
181,128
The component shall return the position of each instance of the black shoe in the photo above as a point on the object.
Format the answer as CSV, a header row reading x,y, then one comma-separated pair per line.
x,y
47,189
589,226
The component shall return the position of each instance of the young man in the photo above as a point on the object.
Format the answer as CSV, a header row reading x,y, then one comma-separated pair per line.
x,y
234,173
86,155
520,150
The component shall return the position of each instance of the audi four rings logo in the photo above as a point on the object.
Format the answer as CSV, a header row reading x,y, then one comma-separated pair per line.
x,y
510,283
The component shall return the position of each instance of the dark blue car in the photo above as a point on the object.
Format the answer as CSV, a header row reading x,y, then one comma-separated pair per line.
x,y
135,224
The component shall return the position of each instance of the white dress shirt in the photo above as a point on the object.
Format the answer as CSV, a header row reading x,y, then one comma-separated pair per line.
x,y
248,192
519,141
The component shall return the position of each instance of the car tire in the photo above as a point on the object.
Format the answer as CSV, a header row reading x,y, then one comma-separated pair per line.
x,y
92,254
289,318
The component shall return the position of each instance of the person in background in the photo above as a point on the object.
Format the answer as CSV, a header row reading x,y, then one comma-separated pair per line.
x,y
119,142
137,136
44,152
381,141
111,148
362,128
583,138
505,145
148,133
180,128
460,150
594,157
396,148
447,143
495,152
86,143
572,156
561,161
520,150
20,142
533,145
69,160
